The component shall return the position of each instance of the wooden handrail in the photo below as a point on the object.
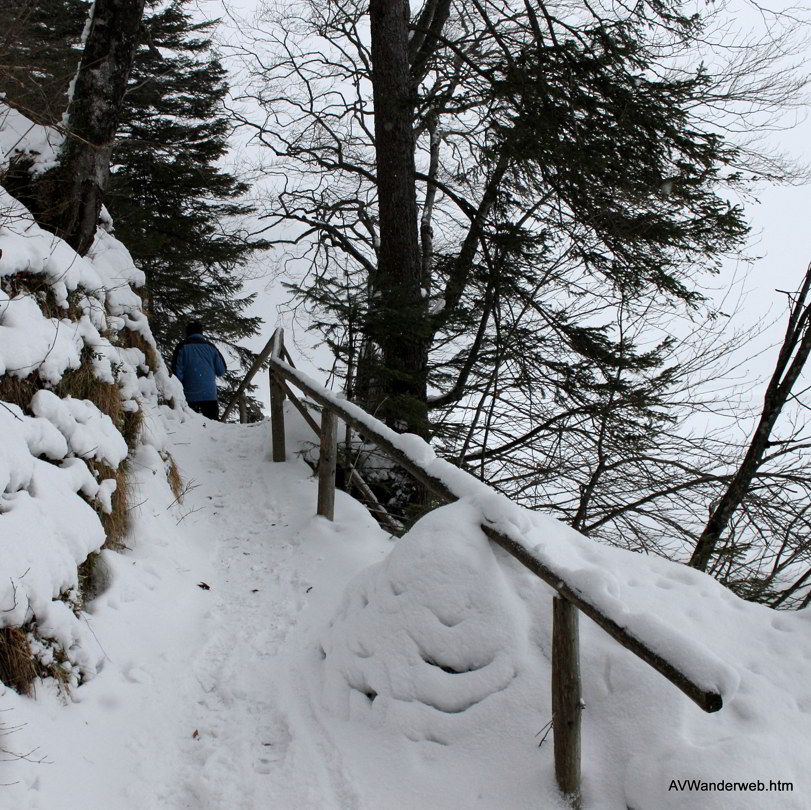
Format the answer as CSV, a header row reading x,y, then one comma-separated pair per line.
x,y
260,361
449,483
353,416
710,700
276,347
300,407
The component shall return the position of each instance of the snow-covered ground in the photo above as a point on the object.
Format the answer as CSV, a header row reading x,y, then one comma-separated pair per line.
x,y
201,628
247,655
256,656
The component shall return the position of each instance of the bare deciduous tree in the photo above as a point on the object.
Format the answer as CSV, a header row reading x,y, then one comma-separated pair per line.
x,y
762,447
571,187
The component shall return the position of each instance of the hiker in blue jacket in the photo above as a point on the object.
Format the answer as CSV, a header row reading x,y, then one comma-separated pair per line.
x,y
197,363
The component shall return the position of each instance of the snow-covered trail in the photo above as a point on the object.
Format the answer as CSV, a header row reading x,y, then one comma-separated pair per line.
x,y
247,667
243,750
199,704
253,748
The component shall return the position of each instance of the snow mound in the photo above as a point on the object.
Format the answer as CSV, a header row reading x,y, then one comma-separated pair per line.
x,y
448,640
432,641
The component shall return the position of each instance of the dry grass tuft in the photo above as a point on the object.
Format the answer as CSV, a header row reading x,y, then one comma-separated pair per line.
x,y
57,667
38,287
58,672
94,578
174,478
86,574
19,390
116,523
82,383
18,668
131,339
132,423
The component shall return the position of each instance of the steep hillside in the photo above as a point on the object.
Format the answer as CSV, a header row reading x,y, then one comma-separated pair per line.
x,y
81,388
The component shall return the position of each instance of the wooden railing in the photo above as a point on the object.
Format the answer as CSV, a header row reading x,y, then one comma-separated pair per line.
x,y
448,484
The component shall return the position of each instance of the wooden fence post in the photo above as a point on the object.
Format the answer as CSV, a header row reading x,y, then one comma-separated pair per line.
x,y
277,418
566,699
327,464
260,360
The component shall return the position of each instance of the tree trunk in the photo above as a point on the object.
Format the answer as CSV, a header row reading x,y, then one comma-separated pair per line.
x,y
791,361
397,320
93,117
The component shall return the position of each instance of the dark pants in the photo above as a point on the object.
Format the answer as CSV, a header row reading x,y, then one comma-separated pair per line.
x,y
206,407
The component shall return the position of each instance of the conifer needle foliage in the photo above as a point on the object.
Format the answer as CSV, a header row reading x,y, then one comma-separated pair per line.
x,y
180,213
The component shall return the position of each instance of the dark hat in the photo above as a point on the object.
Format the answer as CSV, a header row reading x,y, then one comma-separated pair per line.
x,y
194,328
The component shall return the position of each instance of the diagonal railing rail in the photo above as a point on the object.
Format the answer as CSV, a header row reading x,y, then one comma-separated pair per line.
x,y
689,666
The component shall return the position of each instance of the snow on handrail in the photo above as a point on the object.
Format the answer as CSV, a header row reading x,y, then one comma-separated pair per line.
x,y
698,673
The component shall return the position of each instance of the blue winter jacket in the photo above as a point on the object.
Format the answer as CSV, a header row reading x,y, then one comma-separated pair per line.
x,y
196,363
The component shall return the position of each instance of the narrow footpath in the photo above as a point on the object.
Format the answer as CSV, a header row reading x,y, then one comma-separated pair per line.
x,y
204,628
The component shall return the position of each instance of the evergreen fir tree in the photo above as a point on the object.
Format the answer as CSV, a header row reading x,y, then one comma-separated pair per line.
x,y
40,49
178,212
175,208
